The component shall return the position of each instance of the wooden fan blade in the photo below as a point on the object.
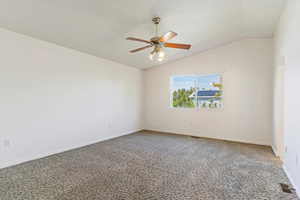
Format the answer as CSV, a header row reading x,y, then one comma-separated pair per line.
x,y
177,46
139,49
138,40
169,35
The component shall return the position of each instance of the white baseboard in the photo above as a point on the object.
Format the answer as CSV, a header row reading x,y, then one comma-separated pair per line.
x,y
291,180
189,133
275,151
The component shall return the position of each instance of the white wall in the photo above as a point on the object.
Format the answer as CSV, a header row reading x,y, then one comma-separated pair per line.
x,y
278,117
246,67
287,55
54,99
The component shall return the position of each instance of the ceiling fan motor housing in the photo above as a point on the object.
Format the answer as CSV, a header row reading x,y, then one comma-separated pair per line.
x,y
155,40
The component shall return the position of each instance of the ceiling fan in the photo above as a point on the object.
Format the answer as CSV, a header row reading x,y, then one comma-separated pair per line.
x,y
159,42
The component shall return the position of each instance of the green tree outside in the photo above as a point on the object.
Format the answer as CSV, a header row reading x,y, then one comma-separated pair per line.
x,y
181,98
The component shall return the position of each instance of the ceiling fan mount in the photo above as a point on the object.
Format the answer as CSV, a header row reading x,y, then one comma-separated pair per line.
x,y
159,42
156,20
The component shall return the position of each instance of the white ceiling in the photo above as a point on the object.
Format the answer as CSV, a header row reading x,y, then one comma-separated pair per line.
x,y
99,27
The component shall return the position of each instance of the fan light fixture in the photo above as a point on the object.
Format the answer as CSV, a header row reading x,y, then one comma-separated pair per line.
x,y
159,42
157,54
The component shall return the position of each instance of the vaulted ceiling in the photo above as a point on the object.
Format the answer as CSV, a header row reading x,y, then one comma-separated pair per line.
x,y
99,27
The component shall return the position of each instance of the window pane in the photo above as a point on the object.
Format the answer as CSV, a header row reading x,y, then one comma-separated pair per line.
x,y
182,87
209,91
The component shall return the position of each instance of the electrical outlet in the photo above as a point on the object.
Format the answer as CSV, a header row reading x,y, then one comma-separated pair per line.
x,y
282,60
6,143
109,125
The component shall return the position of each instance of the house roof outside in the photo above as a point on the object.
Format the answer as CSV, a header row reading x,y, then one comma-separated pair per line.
x,y
205,93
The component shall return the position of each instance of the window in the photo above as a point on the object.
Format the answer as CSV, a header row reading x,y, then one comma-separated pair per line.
x,y
203,91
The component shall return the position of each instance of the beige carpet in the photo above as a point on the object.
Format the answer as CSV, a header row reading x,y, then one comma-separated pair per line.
x,y
150,166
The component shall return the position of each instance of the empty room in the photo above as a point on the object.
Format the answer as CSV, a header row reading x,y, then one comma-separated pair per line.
x,y
149,100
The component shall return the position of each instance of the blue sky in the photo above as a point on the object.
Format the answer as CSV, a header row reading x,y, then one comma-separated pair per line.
x,y
203,81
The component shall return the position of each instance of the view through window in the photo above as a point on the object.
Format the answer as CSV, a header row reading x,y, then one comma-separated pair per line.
x,y
201,91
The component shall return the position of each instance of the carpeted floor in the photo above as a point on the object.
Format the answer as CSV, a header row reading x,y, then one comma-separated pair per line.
x,y
150,166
